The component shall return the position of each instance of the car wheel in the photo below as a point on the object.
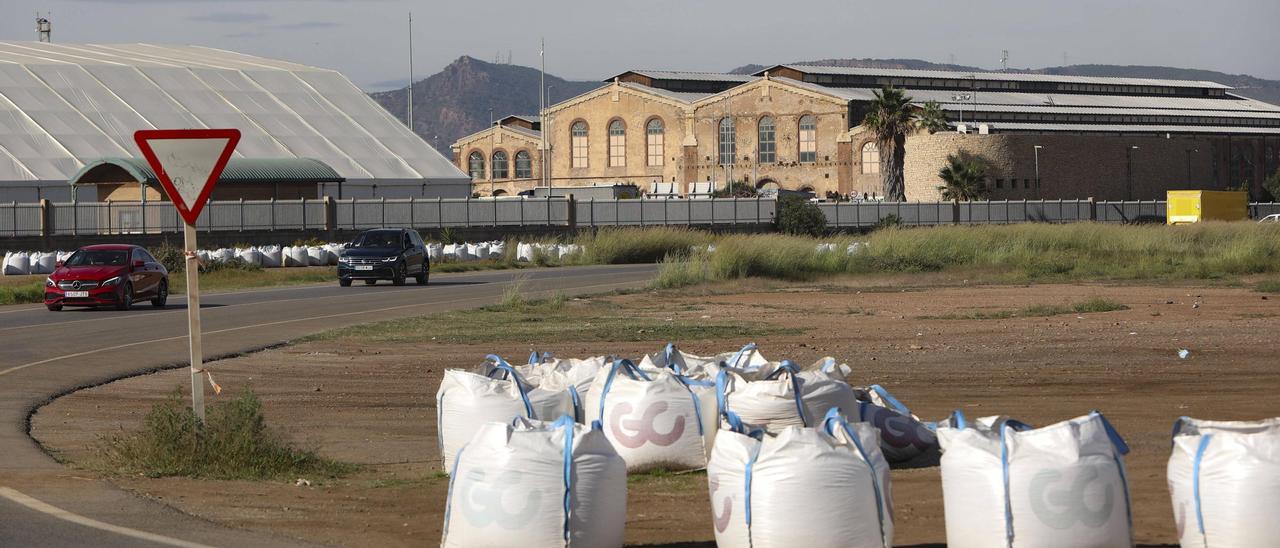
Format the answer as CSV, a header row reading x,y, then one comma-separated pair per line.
x,y
370,282
54,307
398,277
162,295
344,282
422,277
126,298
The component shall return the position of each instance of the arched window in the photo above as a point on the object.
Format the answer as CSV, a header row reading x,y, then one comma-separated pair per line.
x,y
871,157
617,144
728,142
475,165
808,138
524,165
578,136
768,152
501,167
655,136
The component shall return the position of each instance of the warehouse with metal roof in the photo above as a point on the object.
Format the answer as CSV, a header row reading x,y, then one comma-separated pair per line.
x,y
64,107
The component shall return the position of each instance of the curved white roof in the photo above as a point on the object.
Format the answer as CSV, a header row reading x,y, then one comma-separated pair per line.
x,y
65,105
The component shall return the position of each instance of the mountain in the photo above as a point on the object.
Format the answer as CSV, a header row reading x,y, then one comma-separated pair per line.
x,y
1248,86
456,101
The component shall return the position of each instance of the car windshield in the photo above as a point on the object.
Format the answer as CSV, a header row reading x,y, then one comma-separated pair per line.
x,y
96,258
378,238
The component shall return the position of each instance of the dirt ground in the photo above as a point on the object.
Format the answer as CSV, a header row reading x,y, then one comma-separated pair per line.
x,y
375,405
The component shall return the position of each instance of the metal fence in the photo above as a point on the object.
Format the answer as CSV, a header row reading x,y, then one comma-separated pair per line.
x,y
76,218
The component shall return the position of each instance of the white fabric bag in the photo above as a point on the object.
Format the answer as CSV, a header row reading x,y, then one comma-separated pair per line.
x,y
784,395
271,256
803,488
43,263
550,373
498,393
434,251
1225,481
657,419
1007,484
903,436
536,484
748,359
17,263
524,252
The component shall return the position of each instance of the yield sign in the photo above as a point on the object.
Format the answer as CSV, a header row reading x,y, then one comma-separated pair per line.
x,y
188,163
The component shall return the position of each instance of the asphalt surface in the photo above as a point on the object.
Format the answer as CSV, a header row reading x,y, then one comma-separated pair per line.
x,y
46,354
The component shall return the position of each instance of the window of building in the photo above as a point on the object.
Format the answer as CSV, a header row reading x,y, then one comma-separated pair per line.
x,y
655,137
475,165
871,158
999,183
500,165
617,144
728,141
768,152
524,165
808,138
578,136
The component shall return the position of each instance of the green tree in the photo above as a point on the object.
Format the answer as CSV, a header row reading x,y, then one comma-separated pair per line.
x,y
736,189
931,117
964,178
800,217
891,117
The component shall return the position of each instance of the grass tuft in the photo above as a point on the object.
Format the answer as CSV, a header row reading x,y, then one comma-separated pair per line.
x,y
1096,304
1268,286
234,443
32,292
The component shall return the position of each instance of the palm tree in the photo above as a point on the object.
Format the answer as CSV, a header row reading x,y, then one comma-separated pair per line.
x,y
890,117
965,179
931,117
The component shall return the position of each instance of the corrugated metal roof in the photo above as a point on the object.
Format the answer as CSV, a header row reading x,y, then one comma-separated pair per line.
x,y
65,105
238,170
1011,98
1113,128
1118,111
692,76
1001,76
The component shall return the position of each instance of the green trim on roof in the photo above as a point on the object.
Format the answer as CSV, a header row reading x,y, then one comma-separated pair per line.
x,y
238,170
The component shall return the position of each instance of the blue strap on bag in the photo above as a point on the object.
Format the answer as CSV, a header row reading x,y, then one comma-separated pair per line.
x,y
833,419
501,365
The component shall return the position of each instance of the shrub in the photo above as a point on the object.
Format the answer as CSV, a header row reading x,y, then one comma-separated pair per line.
x,y
736,189
22,294
233,443
1272,185
888,221
174,260
800,217
682,270
646,245
309,242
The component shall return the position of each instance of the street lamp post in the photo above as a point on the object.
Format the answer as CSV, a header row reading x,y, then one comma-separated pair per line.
x,y
1128,187
960,98
1037,148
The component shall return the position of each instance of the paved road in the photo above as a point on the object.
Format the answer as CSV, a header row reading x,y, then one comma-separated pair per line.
x,y
44,354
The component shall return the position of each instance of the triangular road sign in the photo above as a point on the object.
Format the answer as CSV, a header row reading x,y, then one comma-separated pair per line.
x,y
188,163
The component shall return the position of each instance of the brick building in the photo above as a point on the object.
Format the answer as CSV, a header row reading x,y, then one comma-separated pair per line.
x,y
798,127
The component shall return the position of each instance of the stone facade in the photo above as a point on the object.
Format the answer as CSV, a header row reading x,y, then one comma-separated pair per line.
x,y
511,139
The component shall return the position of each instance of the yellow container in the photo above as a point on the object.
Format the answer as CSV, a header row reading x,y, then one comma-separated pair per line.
x,y
1193,206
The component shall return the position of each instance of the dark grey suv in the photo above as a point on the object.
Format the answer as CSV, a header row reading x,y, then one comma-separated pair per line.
x,y
384,254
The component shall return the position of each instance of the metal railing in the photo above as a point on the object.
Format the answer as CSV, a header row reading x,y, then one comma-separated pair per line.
x,y
84,218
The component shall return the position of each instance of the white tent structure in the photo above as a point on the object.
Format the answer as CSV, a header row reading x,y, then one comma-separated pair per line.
x,y
63,106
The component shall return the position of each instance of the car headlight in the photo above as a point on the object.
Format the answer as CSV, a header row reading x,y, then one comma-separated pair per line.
x,y
48,282
390,259
343,260
112,282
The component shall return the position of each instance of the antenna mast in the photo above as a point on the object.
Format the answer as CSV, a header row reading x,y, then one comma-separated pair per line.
x,y
43,28
408,120
1004,60
544,168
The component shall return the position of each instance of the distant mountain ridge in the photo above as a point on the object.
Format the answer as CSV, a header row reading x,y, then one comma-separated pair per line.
x,y
456,101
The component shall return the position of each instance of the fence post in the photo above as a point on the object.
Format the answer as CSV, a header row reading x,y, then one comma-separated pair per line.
x,y
495,210
439,212
411,218
46,218
757,209
15,219
384,211
1093,209
144,215
641,203
304,213
273,213
713,210
572,217
75,215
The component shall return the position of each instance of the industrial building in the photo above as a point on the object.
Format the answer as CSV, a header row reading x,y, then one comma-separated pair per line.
x,y
68,113
798,127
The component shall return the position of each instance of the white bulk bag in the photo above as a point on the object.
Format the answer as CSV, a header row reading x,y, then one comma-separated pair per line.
x,y
17,263
855,248
553,374
654,420
43,263
1007,484
551,251
903,436
524,252
826,248
317,256
497,250
467,400
296,256
434,251
536,484
223,255
481,251
804,488
271,256
450,251
332,251
748,359
250,255
784,395
465,252
1225,481
203,256
64,255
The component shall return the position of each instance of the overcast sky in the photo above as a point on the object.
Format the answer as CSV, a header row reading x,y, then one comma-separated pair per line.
x,y
593,39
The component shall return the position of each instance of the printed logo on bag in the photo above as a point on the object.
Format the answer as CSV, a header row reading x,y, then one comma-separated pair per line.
x,y
644,432
721,518
1061,504
900,431
486,503
1181,520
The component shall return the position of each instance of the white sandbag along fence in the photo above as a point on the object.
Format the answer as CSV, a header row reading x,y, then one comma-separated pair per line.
x,y
1005,483
1225,481
533,483
826,486
782,394
903,436
495,392
655,419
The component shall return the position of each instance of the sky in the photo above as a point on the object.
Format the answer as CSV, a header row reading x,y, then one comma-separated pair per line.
x,y
367,40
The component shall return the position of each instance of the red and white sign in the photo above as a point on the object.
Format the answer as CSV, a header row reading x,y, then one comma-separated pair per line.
x,y
188,163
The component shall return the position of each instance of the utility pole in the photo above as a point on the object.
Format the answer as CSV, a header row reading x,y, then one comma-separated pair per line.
x,y
408,120
542,114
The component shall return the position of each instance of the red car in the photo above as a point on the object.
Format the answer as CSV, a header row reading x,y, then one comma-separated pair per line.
x,y
107,275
